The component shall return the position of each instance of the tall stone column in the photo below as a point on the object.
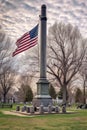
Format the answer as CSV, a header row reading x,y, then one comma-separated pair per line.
x,y
43,96
43,40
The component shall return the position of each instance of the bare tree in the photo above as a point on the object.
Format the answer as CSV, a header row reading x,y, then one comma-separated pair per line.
x,y
24,88
83,74
6,74
6,82
78,96
30,62
5,48
66,54
71,87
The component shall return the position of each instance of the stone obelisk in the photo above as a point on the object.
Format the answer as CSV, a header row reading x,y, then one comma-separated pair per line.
x,y
43,96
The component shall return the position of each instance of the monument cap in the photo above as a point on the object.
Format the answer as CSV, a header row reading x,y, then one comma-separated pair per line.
x,y
43,10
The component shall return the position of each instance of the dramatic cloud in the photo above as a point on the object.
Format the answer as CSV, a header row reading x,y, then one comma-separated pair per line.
x,y
19,16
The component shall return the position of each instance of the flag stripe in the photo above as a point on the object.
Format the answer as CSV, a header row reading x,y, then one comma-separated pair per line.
x,y
26,37
23,36
24,49
23,41
27,44
18,50
28,40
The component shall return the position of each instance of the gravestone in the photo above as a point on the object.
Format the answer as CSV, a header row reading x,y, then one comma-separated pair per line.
x,y
28,109
63,109
22,109
57,110
18,108
31,109
49,108
41,109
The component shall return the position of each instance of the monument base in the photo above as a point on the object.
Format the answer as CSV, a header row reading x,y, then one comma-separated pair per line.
x,y
42,97
44,100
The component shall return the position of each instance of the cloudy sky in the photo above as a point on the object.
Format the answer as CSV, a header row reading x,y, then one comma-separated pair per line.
x,y
19,16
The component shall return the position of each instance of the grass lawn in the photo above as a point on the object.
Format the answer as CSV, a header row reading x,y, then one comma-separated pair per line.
x,y
74,121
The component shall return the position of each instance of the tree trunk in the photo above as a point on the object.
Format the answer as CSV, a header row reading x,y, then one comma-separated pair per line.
x,y
64,99
4,98
64,94
84,94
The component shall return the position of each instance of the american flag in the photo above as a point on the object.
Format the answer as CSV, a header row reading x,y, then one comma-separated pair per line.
x,y
27,41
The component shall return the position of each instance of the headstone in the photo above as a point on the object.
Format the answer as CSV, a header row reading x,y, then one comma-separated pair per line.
x,y
18,108
22,109
41,110
35,108
64,109
28,109
57,110
31,109
49,109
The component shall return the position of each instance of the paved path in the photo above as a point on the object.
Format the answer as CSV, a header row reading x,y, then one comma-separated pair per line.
x,y
13,113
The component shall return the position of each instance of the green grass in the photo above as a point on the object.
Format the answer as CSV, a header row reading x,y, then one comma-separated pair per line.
x,y
75,121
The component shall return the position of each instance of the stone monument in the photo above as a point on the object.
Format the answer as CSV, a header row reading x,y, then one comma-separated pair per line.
x,y
42,97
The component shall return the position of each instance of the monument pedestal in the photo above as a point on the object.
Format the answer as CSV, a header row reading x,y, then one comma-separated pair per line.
x,y
42,97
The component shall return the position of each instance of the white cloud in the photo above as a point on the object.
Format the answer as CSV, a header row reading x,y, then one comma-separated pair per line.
x,y
19,16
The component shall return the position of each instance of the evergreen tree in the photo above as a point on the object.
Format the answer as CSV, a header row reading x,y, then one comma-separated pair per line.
x,y
25,93
29,94
78,96
60,94
52,91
